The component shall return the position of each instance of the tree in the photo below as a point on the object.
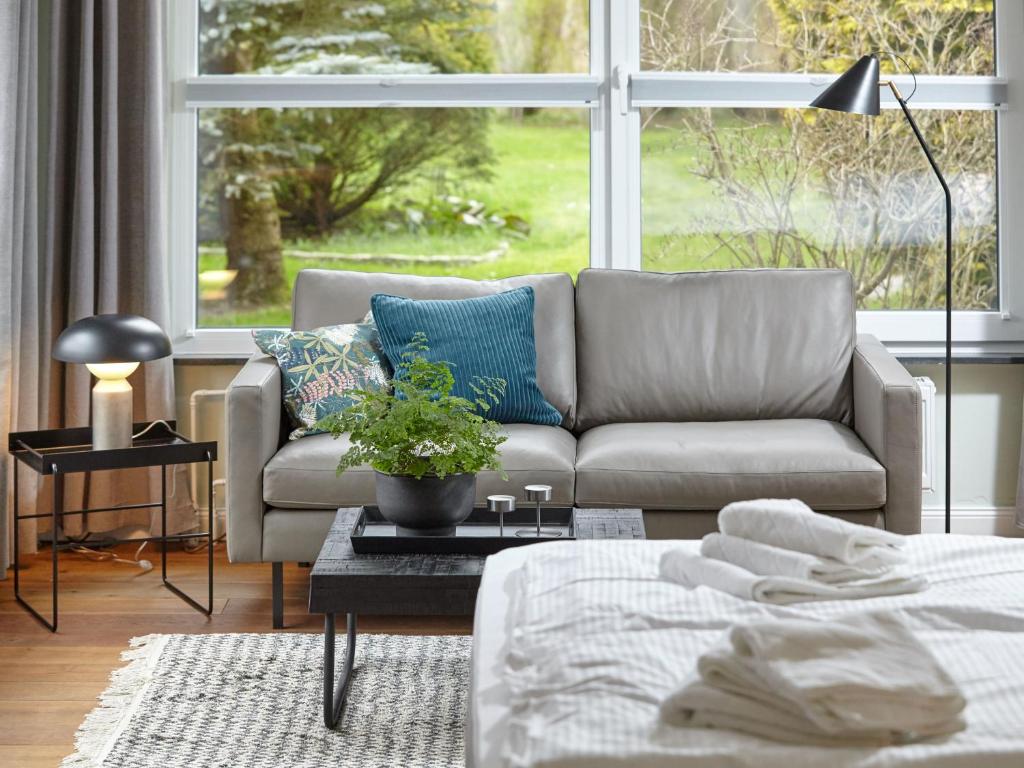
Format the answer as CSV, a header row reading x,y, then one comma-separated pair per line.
x,y
322,165
877,208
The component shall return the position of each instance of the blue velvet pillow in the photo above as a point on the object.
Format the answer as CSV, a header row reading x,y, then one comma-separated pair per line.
x,y
488,336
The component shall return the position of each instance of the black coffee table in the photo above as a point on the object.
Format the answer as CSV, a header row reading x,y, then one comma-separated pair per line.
x,y
411,585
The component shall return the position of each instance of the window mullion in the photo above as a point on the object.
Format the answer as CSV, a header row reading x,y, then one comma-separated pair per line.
x,y
621,128
180,163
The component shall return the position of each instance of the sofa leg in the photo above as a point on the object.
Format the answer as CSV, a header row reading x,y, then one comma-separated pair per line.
x,y
277,579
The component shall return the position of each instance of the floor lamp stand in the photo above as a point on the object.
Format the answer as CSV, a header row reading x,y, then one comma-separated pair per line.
x,y
949,295
856,92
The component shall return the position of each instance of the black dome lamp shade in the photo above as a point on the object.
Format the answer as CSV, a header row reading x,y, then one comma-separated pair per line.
x,y
112,339
112,346
856,91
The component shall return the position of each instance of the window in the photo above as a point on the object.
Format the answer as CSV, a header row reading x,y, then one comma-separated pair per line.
x,y
936,37
727,188
484,139
474,192
393,37
791,187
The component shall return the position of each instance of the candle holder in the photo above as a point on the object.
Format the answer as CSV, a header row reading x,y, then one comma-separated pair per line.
x,y
501,504
538,494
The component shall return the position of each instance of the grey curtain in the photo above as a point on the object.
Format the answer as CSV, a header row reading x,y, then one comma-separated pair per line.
x,y
88,233
17,72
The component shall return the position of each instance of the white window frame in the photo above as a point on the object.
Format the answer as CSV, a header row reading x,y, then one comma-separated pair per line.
x,y
614,91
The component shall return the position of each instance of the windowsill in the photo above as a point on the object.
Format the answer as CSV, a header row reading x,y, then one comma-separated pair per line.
x,y
963,358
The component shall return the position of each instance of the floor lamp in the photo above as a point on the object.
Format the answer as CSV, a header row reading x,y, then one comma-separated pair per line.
x,y
857,92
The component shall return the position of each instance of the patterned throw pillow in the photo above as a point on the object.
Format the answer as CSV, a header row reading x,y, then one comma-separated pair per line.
x,y
320,367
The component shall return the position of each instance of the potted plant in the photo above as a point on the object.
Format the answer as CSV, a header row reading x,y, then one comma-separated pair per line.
x,y
424,444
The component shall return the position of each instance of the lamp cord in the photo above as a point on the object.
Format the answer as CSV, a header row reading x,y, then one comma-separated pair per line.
x,y
174,481
910,69
152,424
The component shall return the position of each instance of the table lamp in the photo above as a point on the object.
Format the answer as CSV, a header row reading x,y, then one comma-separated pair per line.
x,y
112,346
856,91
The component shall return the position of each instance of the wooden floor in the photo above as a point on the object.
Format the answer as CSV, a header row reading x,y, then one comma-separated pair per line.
x,y
49,682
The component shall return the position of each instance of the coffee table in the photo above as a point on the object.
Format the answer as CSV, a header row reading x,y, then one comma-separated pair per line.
x,y
410,585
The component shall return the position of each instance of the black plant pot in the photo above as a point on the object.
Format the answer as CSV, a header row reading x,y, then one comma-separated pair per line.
x,y
430,506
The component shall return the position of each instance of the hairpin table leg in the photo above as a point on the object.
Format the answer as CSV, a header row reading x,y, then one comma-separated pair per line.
x,y
55,532
335,694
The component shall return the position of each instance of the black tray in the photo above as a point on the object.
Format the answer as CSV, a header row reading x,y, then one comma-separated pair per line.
x,y
477,535
70,449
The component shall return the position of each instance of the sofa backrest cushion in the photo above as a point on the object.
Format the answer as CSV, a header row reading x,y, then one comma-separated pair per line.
x,y
326,297
714,346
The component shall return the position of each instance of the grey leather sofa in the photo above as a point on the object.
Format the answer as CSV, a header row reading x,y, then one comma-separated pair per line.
x,y
679,393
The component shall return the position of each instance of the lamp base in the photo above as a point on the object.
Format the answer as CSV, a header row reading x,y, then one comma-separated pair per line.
x,y
111,415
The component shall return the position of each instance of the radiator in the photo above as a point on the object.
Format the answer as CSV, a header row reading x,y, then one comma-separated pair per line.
x,y
928,429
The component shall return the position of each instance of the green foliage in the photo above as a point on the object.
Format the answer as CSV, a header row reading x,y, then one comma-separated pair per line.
x,y
934,36
323,165
420,428
451,214
811,188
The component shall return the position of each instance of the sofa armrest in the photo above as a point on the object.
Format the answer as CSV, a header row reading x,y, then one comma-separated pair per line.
x,y
253,407
887,417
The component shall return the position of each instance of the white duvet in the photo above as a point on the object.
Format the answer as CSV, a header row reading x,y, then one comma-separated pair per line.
x,y
598,641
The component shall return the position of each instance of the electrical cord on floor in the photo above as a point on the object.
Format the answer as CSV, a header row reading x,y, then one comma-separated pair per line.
x,y
112,557
146,566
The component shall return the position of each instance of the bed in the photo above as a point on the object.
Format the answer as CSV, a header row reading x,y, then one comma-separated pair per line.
x,y
574,644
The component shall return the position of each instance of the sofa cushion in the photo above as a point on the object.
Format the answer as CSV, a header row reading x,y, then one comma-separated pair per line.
x,y
302,474
701,465
320,369
714,346
328,297
482,338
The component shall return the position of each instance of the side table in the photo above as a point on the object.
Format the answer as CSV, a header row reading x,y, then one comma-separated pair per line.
x,y
58,452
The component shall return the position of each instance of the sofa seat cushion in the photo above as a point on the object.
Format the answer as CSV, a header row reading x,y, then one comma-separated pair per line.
x,y
302,474
706,465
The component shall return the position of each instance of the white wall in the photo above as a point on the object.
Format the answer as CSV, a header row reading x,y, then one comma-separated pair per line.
x,y
987,408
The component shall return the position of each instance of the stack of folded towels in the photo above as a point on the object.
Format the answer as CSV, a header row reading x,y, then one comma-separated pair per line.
x,y
782,551
860,681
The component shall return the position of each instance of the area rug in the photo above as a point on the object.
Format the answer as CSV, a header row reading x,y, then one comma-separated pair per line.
x,y
254,701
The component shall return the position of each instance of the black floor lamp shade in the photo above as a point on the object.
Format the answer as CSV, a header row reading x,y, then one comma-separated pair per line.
x,y
855,91
112,339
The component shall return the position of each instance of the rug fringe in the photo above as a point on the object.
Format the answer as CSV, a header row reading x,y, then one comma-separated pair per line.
x,y
101,727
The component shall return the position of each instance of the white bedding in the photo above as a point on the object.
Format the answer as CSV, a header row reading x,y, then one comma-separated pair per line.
x,y
576,644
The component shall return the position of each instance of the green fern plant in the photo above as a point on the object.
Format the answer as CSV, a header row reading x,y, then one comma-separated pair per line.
x,y
419,428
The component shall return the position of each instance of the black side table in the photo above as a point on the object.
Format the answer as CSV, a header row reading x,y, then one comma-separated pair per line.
x,y
58,452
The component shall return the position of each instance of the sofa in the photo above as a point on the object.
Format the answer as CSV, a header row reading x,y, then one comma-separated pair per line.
x,y
679,393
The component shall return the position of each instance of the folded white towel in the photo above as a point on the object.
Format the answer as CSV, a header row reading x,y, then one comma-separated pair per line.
x,y
791,524
862,673
768,560
693,570
699,705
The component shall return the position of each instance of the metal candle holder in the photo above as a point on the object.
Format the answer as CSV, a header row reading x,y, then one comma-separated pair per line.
x,y
538,494
501,504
